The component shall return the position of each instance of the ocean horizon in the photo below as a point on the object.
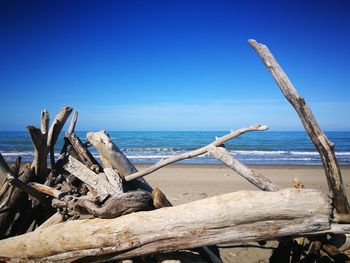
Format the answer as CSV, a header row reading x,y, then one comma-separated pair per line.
x,y
268,147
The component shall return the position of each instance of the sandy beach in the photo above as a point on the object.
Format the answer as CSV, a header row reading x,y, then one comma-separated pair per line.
x,y
184,183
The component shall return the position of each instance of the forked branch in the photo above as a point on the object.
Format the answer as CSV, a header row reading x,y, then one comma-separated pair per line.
x,y
194,153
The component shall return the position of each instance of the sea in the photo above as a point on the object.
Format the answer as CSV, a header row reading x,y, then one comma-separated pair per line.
x,y
269,147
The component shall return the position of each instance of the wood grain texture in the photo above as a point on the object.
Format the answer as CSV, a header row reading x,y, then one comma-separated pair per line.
x,y
236,217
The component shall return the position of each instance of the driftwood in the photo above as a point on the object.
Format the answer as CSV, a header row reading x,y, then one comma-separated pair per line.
x,y
113,157
12,198
79,185
215,220
256,179
191,154
54,131
83,154
39,139
97,181
323,145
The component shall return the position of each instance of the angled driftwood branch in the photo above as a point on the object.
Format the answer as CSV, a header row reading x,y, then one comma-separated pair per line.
x,y
323,145
55,129
113,157
194,153
83,154
215,220
256,179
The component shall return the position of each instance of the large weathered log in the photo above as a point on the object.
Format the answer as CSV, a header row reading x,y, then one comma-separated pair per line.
x,y
323,145
256,179
236,217
197,152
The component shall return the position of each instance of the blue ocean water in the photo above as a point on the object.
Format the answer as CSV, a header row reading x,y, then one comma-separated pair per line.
x,y
149,147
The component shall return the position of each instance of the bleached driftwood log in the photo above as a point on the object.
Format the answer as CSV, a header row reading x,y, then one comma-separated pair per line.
x,y
236,217
194,153
323,145
112,157
256,179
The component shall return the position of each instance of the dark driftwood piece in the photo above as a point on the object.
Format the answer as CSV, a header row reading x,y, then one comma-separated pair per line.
x,y
114,206
83,154
17,166
194,153
289,212
12,198
256,179
323,145
54,131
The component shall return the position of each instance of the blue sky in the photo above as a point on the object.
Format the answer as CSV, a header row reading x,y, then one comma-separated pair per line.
x,y
172,65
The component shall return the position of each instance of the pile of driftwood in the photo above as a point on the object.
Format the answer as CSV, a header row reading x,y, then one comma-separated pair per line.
x,y
121,218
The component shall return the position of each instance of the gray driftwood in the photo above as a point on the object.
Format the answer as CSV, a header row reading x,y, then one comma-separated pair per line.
x,y
256,179
194,153
236,217
97,181
55,129
323,145
112,157
39,139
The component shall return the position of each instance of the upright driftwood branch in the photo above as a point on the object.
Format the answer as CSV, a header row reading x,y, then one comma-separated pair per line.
x,y
55,129
72,124
194,153
214,220
323,145
39,163
256,179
